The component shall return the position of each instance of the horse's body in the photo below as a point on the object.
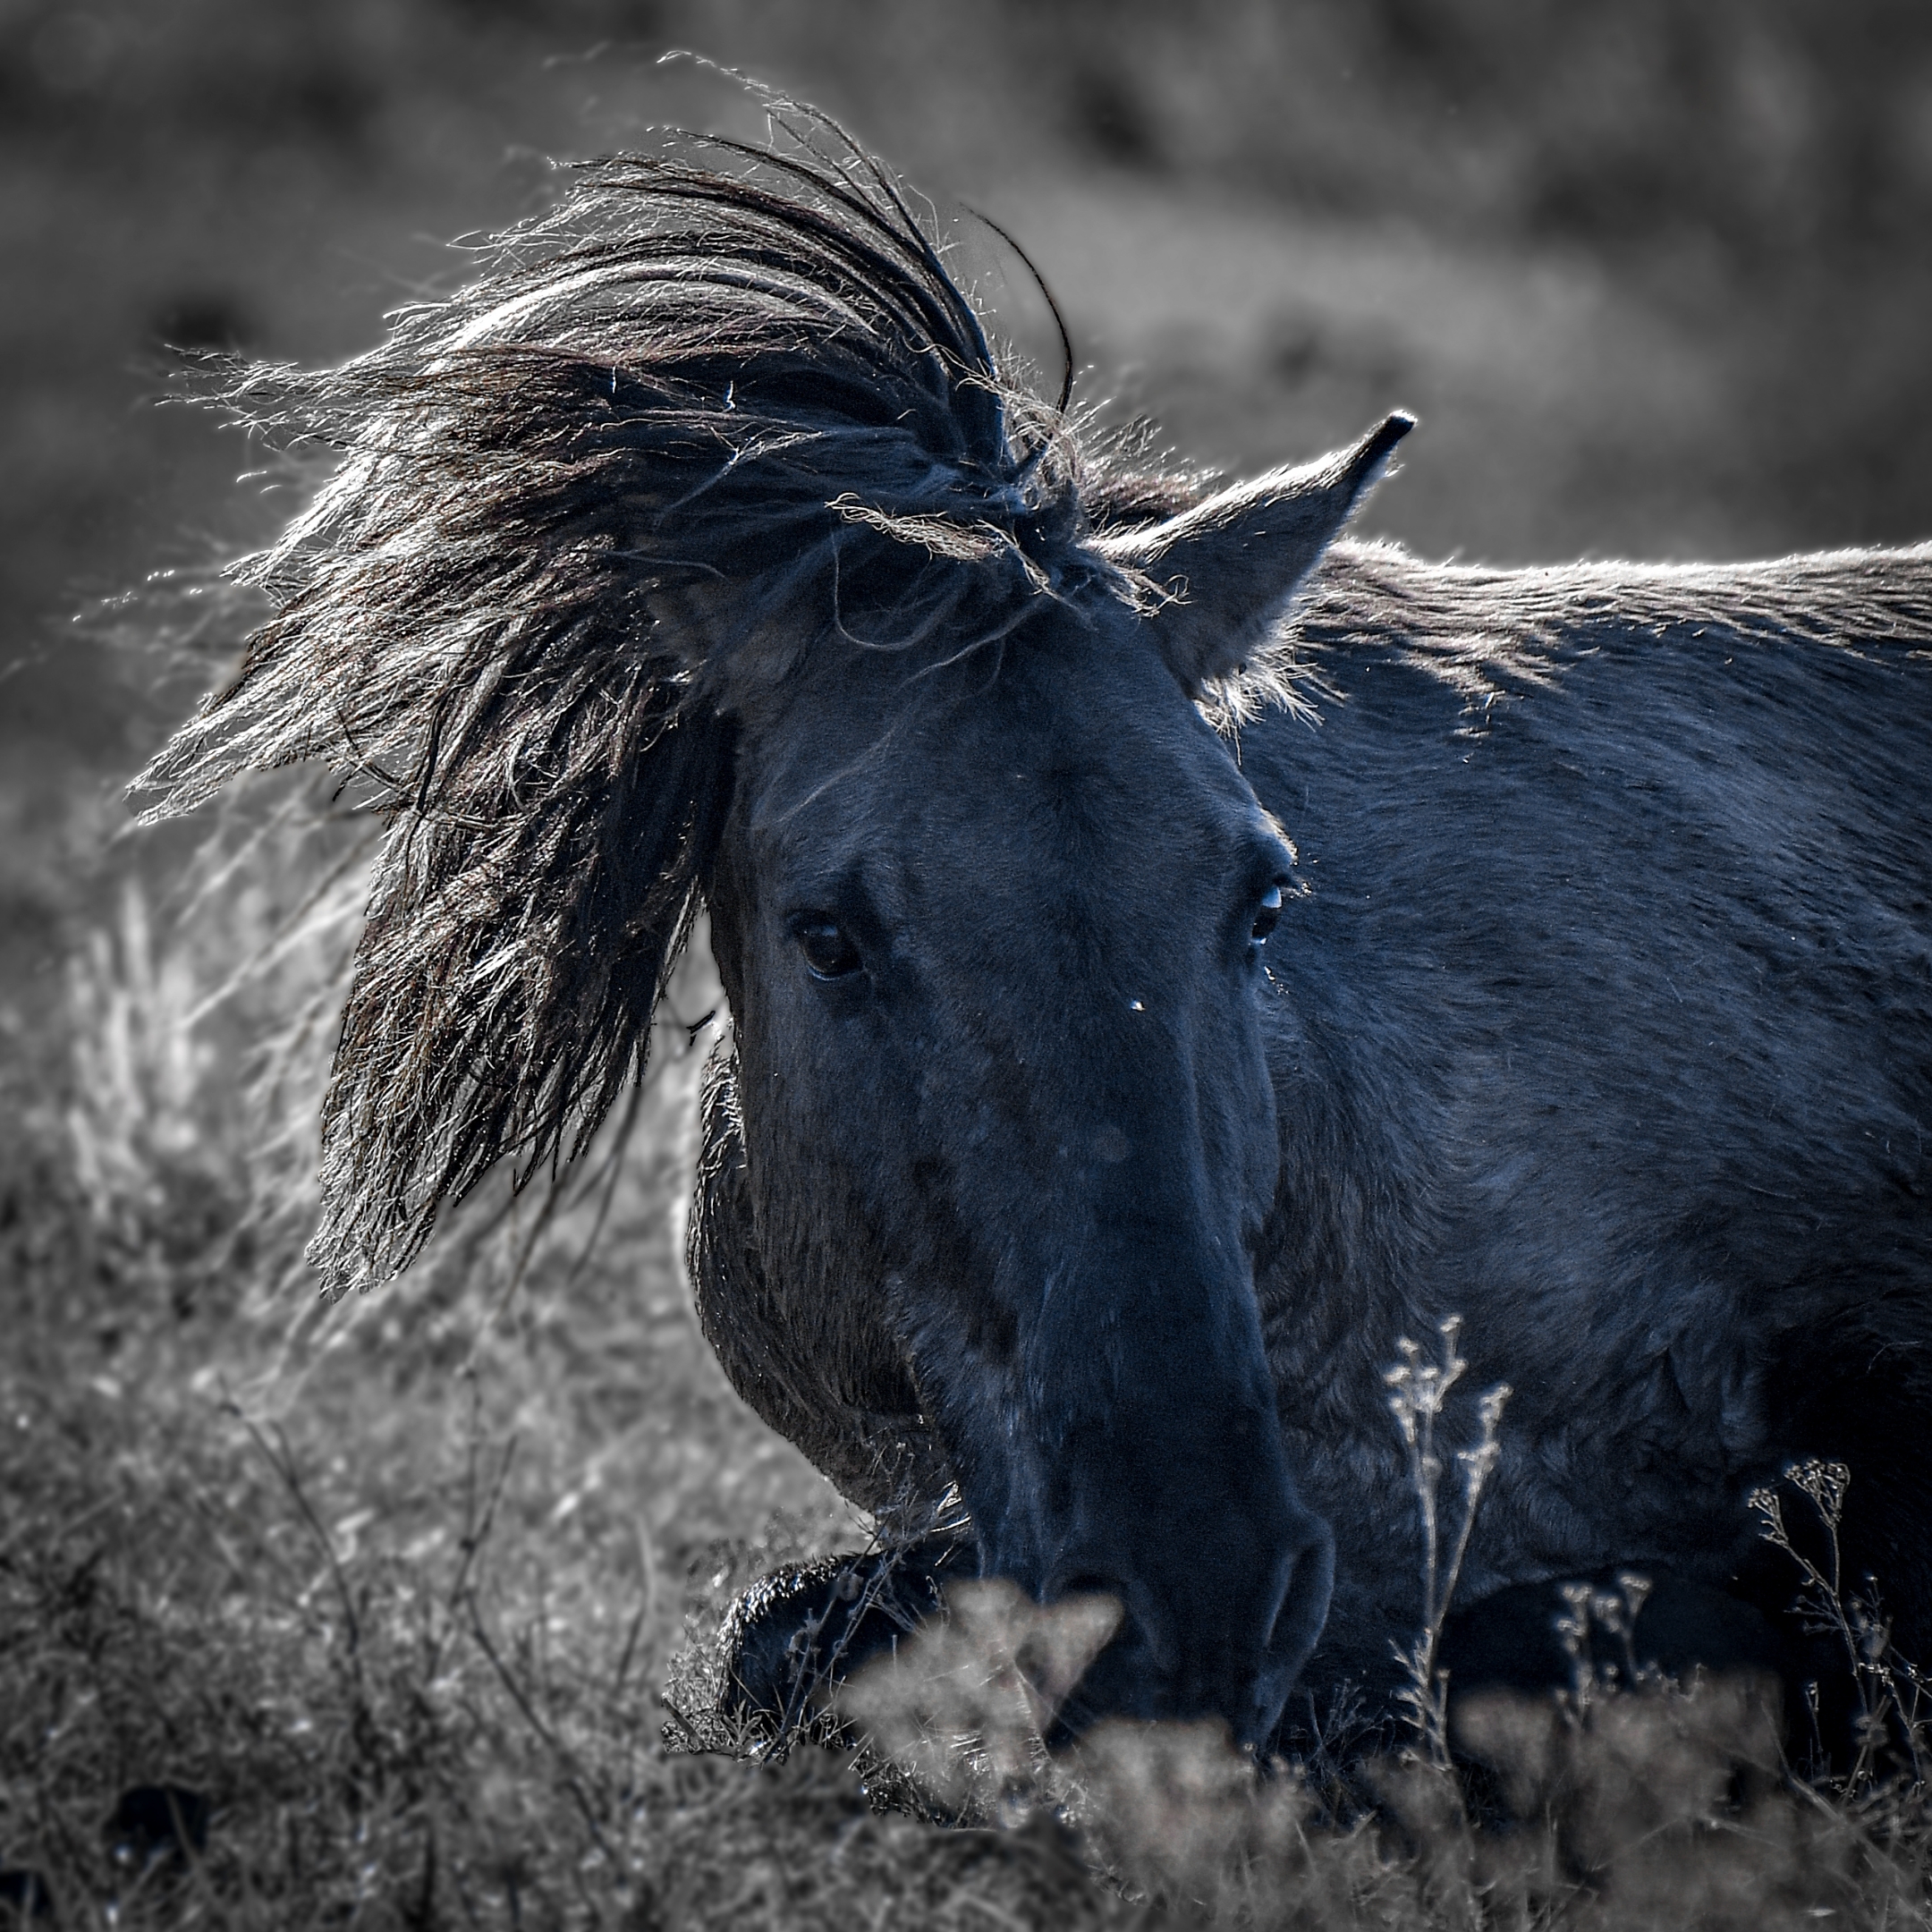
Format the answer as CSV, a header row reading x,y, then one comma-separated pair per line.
x,y
1146,1011
1603,1018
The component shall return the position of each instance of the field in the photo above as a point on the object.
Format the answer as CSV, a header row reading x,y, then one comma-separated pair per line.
x,y
396,1588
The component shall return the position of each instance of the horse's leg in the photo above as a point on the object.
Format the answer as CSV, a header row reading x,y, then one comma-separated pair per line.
x,y
796,1633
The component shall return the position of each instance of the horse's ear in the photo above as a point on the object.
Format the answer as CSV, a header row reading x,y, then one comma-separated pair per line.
x,y
1232,564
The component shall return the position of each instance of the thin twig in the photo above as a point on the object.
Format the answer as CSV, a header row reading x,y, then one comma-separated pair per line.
x,y
284,1465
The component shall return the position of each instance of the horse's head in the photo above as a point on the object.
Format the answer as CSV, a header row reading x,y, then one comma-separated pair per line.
x,y
700,552
994,928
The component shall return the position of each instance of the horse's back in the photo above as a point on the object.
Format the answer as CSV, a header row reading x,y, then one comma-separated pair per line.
x,y
1666,845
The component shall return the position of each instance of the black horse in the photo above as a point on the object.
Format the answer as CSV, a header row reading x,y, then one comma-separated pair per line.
x,y
1171,956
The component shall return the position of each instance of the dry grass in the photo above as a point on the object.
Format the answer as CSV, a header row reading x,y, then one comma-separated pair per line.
x,y
396,1586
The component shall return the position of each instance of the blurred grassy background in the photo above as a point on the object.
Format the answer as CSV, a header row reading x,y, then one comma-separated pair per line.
x,y
1654,273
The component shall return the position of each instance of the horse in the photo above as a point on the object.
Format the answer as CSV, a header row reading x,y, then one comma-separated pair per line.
x,y
1177,954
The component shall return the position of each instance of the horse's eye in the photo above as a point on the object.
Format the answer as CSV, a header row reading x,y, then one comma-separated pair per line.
x,y
1267,914
828,953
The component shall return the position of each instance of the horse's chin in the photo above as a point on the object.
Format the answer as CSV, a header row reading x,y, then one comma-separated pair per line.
x,y
1124,1682
1116,1688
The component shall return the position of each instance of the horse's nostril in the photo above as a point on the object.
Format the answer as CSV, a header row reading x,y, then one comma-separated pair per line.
x,y
1302,1608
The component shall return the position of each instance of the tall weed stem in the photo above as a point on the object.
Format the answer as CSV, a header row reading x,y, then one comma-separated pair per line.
x,y
1419,1389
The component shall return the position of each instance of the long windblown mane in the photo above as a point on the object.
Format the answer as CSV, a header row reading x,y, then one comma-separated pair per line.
x,y
754,383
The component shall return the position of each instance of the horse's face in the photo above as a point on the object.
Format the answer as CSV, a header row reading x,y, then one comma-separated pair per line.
x,y
996,944
995,933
